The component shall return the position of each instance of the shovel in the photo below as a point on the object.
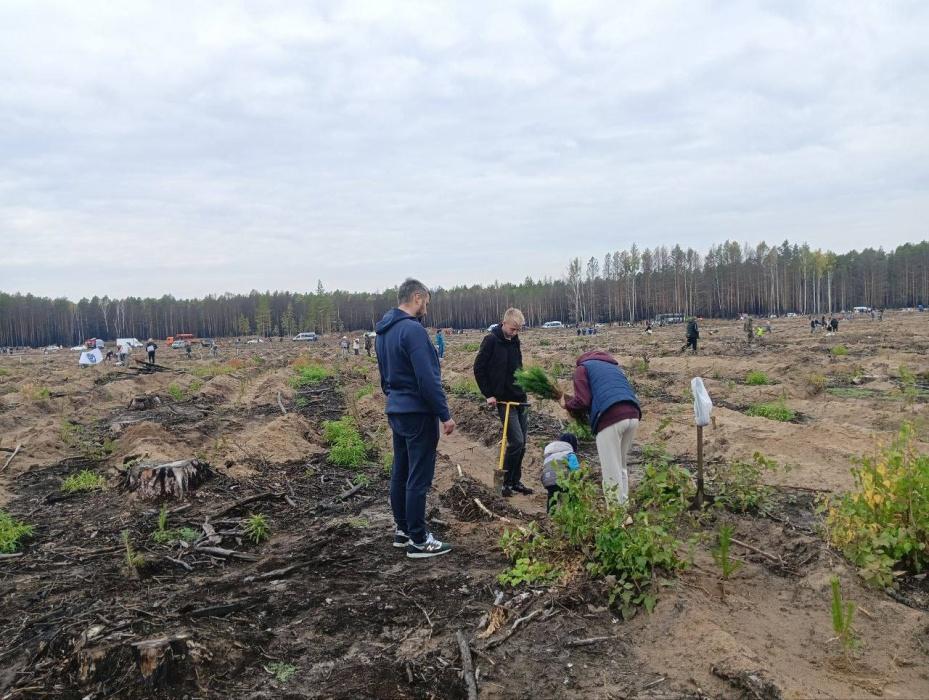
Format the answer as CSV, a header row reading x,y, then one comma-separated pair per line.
x,y
500,472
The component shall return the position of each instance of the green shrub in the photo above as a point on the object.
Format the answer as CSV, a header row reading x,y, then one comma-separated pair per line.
x,y
470,347
12,533
176,392
739,487
772,411
308,375
281,671
665,486
84,480
756,378
529,572
366,390
883,524
839,351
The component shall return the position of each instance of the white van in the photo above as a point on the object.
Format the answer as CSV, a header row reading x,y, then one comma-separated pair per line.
x,y
553,324
131,342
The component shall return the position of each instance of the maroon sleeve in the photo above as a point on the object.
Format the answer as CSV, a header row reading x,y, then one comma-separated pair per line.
x,y
580,402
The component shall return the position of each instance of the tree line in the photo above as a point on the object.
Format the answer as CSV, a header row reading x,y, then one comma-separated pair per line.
x,y
626,285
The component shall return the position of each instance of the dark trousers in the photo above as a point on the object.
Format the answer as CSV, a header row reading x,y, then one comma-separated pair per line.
x,y
151,357
415,438
691,343
552,490
516,435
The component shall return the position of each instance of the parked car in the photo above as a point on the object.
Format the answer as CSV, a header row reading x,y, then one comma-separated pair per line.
x,y
310,336
553,324
791,314
207,342
492,326
179,344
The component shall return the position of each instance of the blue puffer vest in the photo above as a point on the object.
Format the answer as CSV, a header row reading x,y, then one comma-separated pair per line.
x,y
608,386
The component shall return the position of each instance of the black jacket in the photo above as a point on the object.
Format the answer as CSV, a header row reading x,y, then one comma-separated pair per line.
x,y
495,364
692,331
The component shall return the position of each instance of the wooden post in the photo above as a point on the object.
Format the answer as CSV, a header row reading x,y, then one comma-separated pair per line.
x,y
699,501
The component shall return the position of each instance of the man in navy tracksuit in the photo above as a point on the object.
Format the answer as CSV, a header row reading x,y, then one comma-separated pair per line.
x,y
603,395
416,405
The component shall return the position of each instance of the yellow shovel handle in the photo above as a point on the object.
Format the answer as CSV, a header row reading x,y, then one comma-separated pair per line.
x,y
506,425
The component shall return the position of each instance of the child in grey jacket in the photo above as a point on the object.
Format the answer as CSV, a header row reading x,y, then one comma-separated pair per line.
x,y
559,456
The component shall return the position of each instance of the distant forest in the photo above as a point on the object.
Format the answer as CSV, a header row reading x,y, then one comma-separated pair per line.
x,y
626,285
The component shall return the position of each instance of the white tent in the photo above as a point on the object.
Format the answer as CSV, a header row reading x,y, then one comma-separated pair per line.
x,y
91,357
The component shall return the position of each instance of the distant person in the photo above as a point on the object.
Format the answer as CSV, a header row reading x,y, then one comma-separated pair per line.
x,y
150,348
693,333
648,327
558,458
604,397
344,345
368,343
123,351
822,322
356,346
411,380
812,325
747,327
880,315
834,324
440,344
498,358
187,349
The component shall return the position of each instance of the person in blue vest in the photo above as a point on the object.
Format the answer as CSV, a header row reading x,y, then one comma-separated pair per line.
x,y
604,397
440,344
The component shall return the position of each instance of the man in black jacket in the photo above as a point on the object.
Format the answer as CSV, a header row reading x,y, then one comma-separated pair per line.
x,y
692,334
496,362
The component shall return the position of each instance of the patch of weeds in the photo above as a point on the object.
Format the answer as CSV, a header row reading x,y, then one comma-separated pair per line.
x,y
529,572
527,549
281,671
4,372
176,392
739,487
907,384
358,523
35,393
470,347
195,386
661,430
815,384
309,375
665,486
776,410
366,390
163,534
852,392
84,480
347,448
465,387
756,378
12,533
839,351
257,528
214,369
544,343
882,525
362,480
387,463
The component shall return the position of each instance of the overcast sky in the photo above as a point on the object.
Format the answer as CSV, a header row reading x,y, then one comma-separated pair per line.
x,y
202,147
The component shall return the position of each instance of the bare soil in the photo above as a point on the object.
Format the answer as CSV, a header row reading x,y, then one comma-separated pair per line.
x,y
328,608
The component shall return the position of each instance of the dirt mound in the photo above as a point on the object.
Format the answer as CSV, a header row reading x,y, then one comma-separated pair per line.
x,y
283,439
220,390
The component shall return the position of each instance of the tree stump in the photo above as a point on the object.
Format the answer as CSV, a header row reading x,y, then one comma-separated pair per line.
x,y
143,402
169,661
169,480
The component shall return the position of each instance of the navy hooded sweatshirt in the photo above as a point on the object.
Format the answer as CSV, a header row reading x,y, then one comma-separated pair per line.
x,y
409,366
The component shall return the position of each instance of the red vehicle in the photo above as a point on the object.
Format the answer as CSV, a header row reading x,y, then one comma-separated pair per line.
x,y
180,336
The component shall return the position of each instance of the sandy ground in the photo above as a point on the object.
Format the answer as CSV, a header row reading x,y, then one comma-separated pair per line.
x,y
345,628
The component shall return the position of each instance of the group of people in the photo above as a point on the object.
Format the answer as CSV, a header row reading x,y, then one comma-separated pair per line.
x,y
356,345
418,412
831,327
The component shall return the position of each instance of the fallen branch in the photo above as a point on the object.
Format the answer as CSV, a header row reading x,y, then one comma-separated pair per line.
x,y
763,553
221,609
589,641
499,517
281,404
467,666
227,553
15,452
180,563
245,501
513,629
14,555
277,573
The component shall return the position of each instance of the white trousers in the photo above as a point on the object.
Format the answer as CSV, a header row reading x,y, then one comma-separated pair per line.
x,y
613,443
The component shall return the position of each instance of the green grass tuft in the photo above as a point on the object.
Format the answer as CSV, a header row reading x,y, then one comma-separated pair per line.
x,y
12,532
772,411
756,378
84,480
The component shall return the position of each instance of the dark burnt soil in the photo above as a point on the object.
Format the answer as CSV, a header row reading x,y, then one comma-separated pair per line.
x,y
327,599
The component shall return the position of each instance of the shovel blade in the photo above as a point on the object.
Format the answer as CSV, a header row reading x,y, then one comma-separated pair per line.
x,y
499,476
